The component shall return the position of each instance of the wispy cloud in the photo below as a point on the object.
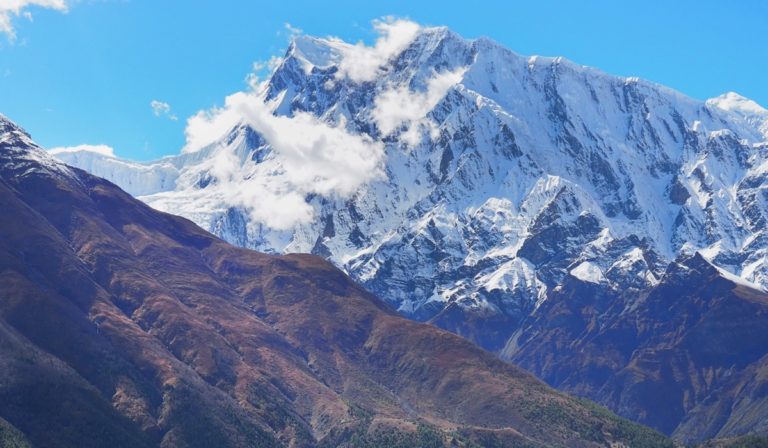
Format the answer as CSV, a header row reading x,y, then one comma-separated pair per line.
x,y
10,9
292,30
361,63
399,107
269,65
261,69
162,109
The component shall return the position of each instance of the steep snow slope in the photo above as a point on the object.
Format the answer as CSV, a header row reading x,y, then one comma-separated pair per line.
x,y
136,178
493,176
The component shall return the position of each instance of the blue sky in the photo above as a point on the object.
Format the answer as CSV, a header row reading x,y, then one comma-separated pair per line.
x,y
89,74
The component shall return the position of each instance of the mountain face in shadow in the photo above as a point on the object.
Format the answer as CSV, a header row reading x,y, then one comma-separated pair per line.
x,y
689,357
124,326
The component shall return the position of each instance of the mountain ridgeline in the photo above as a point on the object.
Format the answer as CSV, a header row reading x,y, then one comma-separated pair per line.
x,y
124,326
606,233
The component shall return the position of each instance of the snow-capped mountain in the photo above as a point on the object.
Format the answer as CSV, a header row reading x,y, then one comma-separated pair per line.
x,y
483,178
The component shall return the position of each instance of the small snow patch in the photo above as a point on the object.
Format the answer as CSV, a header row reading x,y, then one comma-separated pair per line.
x,y
588,272
738,280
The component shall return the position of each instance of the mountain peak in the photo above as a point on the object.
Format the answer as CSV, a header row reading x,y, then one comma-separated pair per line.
x,y
315,51
19,153
701,264
10,130
732,101
395,39
14,138
747,109
438,33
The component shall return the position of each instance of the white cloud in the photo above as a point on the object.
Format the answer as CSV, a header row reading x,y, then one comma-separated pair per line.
x,y
309,156
98,149
15,8
270,65
261,69
275,206
160,108
292,31
317,157
207,126
361,63
400,107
